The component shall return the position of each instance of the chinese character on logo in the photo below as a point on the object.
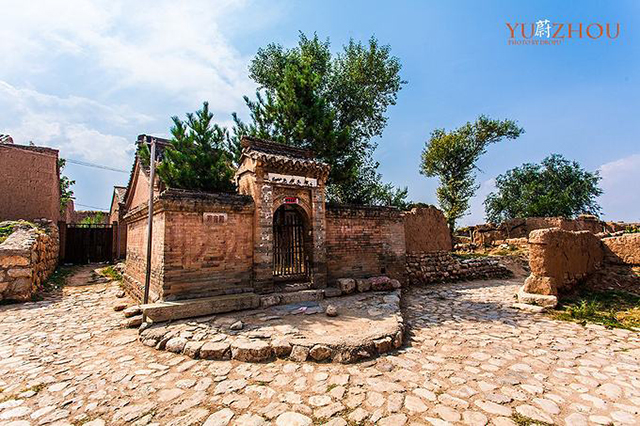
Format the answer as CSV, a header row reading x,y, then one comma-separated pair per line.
x,y
543,28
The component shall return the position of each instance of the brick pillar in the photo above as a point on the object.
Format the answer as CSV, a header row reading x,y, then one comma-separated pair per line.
x,y
319,267
263,239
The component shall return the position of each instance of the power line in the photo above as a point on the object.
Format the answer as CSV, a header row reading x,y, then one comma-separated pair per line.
x,y
97,166
91,207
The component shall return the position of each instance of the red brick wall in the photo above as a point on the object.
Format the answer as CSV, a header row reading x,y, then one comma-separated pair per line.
x,y
134,275
202,245
29,187
364,242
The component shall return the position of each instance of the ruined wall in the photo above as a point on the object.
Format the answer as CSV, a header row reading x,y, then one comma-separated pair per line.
x,y
624,249
426,230
27,259
364,241
492,234
432,267
202,246
560,259
29,188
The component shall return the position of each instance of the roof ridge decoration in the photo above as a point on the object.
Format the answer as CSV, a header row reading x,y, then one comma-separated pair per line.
x,y
283,157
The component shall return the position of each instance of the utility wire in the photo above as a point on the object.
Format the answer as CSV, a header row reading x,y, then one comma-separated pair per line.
x,y
97,166
91,207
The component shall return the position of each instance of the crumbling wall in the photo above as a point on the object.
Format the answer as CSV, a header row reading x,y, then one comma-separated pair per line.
x,y
27,258
426,230
624,249
492,234
431,267
560,259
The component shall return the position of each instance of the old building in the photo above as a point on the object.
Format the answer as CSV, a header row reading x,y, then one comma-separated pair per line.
x,y
116,216
276,234
30,183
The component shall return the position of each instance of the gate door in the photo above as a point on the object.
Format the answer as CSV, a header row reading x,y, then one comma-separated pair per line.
x,y
88,244
289,257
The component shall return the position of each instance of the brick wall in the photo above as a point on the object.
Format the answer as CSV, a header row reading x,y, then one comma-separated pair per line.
x,y
202,245
29,188
364,241
439,266
27,258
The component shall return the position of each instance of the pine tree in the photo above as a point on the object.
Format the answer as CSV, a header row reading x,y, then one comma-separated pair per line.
x,y
197,157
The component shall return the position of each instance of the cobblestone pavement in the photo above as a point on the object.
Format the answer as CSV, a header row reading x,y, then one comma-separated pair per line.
x,y
471,359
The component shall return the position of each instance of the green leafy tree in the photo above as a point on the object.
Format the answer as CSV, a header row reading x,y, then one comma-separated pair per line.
x,y
452,157
96,218
556,187
334,105
197,157
66,193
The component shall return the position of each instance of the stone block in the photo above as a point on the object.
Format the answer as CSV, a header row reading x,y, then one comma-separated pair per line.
x,y
320,352
164,311
299,353
346,285
331,292
363,285
215,350
251,350
301,296
547,301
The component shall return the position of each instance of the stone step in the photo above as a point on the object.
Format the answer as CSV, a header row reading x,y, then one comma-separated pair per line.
x,y
291,287
179,309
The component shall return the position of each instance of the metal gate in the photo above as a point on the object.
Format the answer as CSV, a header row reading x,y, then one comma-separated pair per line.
x,y
289,257
88,243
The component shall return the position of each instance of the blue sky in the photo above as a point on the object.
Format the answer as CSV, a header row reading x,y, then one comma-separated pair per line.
x,y
88,77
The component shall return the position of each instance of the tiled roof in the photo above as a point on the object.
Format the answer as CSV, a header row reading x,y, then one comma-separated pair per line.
x,y
279,155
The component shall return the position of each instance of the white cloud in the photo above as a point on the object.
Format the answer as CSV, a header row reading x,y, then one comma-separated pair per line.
x,y
175,47
621,196
63,123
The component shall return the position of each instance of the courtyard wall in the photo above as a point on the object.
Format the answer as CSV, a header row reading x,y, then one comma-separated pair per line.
x,y
202,246
364,241
442,266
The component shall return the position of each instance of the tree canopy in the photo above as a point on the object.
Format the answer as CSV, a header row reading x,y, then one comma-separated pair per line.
x,y
452,157
197,157
66,193
332,104
555,187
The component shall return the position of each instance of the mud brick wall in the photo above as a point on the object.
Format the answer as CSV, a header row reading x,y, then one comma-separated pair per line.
x,y
425,230
27,259
202,246
491,234
364,241
432,267
29,187
560,259
624,249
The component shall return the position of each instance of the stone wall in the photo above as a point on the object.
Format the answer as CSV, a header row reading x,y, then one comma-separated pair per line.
x,y
364,241
560,259
27,258
432,267
426,230
29,188
202,246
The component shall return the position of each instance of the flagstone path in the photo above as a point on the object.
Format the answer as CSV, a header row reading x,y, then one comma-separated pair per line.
x,y
470,359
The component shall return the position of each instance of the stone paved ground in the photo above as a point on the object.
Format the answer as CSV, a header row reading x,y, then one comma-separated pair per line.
x,y
471,359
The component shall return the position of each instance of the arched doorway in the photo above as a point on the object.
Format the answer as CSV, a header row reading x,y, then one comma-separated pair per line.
x,y
290,248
